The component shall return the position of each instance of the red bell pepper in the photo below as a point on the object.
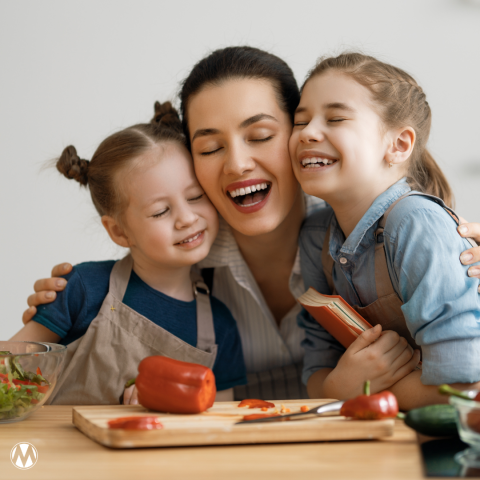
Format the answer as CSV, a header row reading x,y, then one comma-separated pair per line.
x,y
172,386
371,407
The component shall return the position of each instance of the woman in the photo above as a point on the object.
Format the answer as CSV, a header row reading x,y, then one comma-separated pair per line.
x,y
237,106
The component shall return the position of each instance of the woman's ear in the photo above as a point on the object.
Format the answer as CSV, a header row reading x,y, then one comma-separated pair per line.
x,y
115,231
401,146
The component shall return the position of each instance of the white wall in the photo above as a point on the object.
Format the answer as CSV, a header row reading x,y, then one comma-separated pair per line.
x,y
73,72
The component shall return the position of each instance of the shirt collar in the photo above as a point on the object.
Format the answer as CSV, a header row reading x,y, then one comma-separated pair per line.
x,y
373,214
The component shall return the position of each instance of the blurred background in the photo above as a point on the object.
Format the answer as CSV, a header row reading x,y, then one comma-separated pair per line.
x,y
74,72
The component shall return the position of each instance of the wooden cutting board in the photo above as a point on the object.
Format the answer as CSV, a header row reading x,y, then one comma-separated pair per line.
x,y
217,426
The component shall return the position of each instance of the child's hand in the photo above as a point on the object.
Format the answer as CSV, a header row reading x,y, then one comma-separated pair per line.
x,y
383,359
130,395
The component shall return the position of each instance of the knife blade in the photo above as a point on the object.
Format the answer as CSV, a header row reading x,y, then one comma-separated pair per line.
x,y
326,408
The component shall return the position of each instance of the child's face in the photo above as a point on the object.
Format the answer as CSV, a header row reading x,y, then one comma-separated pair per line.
x,y
169,221
338,142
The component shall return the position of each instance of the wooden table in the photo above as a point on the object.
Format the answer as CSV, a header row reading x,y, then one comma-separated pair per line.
x,y
66,454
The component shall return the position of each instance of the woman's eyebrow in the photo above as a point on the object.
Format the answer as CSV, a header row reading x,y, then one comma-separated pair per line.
x,y
256,118
205,132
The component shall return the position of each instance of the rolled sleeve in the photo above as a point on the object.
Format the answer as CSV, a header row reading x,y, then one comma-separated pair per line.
x,y
455,361
441,303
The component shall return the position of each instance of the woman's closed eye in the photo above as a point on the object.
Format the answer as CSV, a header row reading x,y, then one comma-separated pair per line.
x,y
211,152
265,139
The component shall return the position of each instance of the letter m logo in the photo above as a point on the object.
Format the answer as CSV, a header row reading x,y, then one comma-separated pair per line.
x,y
24,455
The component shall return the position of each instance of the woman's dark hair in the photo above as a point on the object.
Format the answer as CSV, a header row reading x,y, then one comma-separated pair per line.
x,y
117,152
241,62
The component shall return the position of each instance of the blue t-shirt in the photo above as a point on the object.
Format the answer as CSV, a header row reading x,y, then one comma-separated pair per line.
x,y
70,315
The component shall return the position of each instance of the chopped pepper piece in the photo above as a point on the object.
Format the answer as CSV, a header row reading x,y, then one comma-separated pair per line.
x,y
172,386
371,407
136,423
255,403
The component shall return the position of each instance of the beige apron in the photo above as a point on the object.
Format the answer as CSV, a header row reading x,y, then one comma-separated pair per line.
x,y
386,310
99,363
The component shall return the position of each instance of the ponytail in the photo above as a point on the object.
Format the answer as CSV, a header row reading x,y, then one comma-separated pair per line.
x,y
426,176
72,166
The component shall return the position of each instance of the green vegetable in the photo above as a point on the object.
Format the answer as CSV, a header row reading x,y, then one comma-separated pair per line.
x,y
434,420
18,388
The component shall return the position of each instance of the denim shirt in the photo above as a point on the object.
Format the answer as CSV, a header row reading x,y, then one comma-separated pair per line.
x,y
441,303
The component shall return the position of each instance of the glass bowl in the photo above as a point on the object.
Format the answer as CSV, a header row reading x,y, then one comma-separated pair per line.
x,y
468,423
28,374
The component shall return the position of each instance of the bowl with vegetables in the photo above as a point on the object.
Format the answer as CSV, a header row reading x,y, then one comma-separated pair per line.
x,y
467,407
28,374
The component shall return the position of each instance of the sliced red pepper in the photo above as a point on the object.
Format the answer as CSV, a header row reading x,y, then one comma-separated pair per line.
x,y
39,372
169,385
255,416
255,403
371,407
136,423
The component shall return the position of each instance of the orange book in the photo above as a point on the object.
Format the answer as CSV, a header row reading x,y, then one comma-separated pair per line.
x,y
335,315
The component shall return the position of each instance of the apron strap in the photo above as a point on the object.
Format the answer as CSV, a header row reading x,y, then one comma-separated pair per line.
x,y
120,277
327,261
205,328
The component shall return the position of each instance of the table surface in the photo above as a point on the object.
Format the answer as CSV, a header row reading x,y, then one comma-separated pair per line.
x,y
65,453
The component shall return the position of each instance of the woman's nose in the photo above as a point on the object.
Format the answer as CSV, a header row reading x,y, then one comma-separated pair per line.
x,y
238,161
312,133
186,217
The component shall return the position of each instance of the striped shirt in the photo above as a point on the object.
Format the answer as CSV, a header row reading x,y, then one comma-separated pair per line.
x,y
266,345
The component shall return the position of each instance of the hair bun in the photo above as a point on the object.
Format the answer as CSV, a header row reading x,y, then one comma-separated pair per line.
x,y
72,166
167,116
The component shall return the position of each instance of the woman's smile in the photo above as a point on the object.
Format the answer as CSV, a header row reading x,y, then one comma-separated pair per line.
x,y
249,195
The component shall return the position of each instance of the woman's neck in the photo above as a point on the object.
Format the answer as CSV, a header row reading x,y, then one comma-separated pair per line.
x,y
277,246
174,282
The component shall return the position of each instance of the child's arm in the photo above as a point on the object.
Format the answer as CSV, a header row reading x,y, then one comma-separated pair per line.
x,y
412,393
35,332
383,359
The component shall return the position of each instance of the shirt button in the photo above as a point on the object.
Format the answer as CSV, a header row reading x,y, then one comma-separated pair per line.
x,y
343,260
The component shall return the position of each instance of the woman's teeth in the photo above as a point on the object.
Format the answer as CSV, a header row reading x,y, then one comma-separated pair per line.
x,y
191,239
314,161
248,190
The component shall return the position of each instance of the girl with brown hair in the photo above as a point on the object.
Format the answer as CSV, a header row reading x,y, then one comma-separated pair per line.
x,y
114,314
388,245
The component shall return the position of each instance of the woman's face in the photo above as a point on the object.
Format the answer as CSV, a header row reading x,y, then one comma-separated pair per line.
x,y
239,137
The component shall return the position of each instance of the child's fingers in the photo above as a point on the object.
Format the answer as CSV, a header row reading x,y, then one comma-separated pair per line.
x,y
365,339
400,355
28,314
388,341
408,367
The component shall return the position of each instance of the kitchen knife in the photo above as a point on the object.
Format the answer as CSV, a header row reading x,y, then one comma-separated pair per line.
x,y
326,408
